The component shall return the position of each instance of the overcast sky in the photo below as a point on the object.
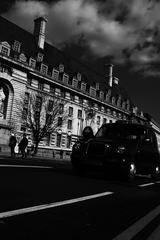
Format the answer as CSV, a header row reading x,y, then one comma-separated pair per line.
x,y
127,31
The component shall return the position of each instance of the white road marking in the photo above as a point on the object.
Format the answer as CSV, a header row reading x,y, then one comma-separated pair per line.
x,y
134,229
146,184
23,166
51,205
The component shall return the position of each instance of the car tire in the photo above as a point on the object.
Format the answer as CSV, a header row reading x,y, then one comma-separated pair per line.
x,y
155,174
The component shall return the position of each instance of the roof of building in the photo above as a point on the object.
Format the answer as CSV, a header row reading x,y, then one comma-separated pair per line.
x,y
53,57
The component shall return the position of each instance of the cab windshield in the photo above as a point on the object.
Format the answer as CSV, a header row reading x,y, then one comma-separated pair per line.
x,y
128,132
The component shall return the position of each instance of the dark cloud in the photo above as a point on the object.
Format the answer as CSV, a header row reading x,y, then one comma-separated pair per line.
x,y
125,30
5,5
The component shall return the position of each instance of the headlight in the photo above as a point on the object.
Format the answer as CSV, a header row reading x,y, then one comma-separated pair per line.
x,y
120,149
76,146
107,145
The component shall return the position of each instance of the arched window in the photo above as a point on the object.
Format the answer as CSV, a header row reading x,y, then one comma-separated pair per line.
x,y
4,93
22,57
61,67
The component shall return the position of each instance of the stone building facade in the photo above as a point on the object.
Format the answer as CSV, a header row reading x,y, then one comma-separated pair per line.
x,y
28,63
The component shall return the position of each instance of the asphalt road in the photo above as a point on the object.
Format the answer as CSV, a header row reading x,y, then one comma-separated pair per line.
x,y
52,203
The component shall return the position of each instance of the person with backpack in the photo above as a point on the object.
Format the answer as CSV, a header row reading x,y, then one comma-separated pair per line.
x,y
12,144
23,146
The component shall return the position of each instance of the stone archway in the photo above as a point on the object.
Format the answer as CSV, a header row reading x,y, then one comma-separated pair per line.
x,y
6,99
4,94
6,103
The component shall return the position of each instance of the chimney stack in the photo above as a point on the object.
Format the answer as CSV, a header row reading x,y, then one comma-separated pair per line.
x,y
110,74
39,31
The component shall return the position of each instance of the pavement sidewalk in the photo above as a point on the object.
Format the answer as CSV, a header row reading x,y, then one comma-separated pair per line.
x,y
36,160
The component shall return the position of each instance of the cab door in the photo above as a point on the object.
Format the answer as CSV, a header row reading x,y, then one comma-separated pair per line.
x,y
147,152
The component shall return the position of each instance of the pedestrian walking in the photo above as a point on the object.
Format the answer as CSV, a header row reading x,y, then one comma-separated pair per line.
x,y
16,150
87,133
23,146
12,144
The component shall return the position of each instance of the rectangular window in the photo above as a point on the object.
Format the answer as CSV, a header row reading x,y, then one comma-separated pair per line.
x,y
50,105
61,67
60,78
26,100
98,120
69,124
99,108
61,108
114,113
80,101
37,116
57,92
5,51
38,103
32,63
72,97
104,120
40,86
120,115
92,92
65,78
40,57
55,74
69,138
48,119
109,111
76,99
67,95
23,128
79,114
29,81
44,69
51,89
83,86
62,94
48,139
101,95
75,83
102,108
59,124
70,111
59,138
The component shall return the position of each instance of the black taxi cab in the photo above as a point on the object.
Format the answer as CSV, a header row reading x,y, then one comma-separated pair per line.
x,y
126,148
